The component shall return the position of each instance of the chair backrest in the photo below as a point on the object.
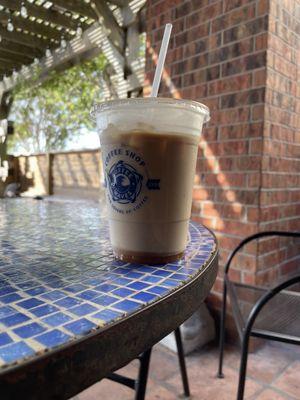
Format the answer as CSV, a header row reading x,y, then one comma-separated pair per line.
x,y
258,236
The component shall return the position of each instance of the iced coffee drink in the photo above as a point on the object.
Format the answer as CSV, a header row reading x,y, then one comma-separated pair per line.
x,y
149,151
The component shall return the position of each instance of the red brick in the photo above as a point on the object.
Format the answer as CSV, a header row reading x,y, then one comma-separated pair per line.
x,y
230,85
262,7
203,194
241,131
236,16
261,41
260,77
258,112
245,63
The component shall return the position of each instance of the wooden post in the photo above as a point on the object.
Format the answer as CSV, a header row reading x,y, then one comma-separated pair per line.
x,y
49,188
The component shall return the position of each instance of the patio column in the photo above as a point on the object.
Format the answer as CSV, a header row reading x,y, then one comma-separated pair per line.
x,y
242,60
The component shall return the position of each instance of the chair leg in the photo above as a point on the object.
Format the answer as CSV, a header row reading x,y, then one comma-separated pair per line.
x,y
222,333
182,364
141,382
243,366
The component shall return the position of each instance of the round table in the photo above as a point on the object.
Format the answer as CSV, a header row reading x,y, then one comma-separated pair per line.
x,y
69,312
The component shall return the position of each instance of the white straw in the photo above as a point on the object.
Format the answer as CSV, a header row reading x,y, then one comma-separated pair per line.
x,y
161,60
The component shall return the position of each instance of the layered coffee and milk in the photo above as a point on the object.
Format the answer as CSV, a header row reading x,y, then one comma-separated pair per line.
x,y
149,179
149,151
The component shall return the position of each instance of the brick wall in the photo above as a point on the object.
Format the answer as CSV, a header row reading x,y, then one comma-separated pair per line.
x,y
221,53
280,196
75,174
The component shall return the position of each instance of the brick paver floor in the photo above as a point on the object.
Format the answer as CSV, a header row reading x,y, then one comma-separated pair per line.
x,y
273,374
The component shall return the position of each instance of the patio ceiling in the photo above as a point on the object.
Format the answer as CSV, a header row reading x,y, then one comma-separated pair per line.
x,y
58,34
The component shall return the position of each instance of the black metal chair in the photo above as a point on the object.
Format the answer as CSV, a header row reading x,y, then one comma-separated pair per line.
x,y
274,315
140,384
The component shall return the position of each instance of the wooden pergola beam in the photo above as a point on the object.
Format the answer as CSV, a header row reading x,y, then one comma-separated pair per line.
x,y
19,49
42,13
119,3
32,26
76,6
10,64
11,57
21,38
3,71
114,32
105,35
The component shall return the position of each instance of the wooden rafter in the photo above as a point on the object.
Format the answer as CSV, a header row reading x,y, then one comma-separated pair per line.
x,y
76,6
42,13
32,26
114,32
11,57
119,3
10,64
3,71
21,38
19,49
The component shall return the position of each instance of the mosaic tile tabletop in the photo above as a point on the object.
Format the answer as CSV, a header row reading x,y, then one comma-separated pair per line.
x,y
60,281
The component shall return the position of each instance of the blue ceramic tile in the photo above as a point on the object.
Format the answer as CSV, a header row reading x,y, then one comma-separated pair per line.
x,y
28,285
30,303
105,288
56,319
80,327
83,309
138,285
15,351
162,273
67,302
179,277
105,300
75,288
88,294
107,315
127,305
151,279
36,291
122,281
44,310
10,298
121,271
54,295
123,292
169,283
6,290
87,282
14,319
144,297
134,275
30,330
5,311
145,268
5,339
53,338
94,281
158,290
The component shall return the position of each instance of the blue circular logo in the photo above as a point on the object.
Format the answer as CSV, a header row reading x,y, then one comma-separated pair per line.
x,y
124,183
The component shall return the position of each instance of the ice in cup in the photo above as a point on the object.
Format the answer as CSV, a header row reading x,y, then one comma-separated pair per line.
x,y
149,151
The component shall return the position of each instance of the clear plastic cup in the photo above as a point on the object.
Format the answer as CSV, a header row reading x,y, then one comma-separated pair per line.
x,y
149,151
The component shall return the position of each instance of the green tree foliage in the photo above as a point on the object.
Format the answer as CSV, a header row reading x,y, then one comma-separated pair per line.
x,y
47,115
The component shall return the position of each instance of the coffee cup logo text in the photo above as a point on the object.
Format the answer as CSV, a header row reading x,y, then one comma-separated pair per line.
x,y
125,176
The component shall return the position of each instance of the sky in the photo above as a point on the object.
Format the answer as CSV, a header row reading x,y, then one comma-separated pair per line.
x,y
87,140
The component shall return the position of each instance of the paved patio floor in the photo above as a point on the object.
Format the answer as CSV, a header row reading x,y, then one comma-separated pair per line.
x,y
273,374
